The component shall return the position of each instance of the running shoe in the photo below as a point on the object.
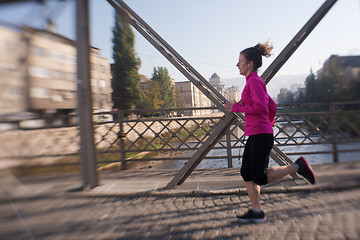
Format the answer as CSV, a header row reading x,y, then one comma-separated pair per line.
x,y
252,217
305,170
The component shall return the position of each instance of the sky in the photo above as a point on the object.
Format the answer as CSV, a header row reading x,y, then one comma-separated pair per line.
x,y
209,34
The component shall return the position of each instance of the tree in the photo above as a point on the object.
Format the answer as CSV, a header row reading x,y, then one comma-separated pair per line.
x,y
125,83
285,96
153,95
162,79
311,88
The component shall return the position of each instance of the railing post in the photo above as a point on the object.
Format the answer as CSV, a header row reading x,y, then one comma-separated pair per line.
x,y
228,148
122,139
87,149
333,127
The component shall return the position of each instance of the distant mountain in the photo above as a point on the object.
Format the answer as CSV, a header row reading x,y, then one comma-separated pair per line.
x,y
274,86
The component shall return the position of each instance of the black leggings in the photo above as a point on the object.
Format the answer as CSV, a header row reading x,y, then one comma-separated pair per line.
x,y
256,158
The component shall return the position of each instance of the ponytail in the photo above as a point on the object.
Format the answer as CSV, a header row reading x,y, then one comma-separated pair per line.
x,y
255,53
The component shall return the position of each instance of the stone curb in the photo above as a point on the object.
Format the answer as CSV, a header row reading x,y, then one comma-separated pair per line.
x,y
348,185
190,193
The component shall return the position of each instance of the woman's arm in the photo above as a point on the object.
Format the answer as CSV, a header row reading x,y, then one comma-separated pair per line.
x,y
259,100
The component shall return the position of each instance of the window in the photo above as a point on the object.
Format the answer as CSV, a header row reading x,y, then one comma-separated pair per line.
x,y
102,68
36,92
38,51
69,95
10,69
71,76
57,56
72,59
39,72
57,98
11,92
57,74
102,83
93,82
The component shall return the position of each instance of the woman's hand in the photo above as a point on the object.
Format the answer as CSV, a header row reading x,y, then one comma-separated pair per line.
x,y
228,106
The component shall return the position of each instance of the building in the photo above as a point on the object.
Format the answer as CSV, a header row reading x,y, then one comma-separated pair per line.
x,y
13,90
216,81
294,87
40,73
100,81
350,65
234,93
193,98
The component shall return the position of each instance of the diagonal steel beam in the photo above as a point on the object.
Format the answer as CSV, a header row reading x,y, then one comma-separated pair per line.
x,y
205,148
168,52
298,39
206,88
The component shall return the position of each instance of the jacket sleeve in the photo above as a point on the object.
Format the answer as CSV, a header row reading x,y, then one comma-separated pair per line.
x,y
259,100
272,110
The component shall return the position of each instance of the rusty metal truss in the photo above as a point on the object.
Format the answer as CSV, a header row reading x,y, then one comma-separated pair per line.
x,y
300,129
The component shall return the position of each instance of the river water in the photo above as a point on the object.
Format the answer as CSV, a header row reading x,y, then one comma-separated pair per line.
x,y
313,159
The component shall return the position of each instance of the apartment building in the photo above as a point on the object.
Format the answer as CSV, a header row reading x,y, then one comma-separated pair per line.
x,y
12,72
193,97
41,73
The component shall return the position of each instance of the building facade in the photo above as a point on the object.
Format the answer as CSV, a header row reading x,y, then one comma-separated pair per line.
x,y
12,73
216,81
45,78
349,65
193,98
232,93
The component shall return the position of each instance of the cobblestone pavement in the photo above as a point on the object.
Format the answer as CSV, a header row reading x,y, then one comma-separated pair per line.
x,y
294,215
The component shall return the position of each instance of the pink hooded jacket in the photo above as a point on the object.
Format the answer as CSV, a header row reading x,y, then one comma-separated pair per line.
x,y
259,108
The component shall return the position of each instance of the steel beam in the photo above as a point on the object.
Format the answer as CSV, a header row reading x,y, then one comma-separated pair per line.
x,y
169,53
297,41
219,131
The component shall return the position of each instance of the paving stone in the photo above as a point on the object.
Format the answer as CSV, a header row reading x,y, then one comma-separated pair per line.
x,y
318,213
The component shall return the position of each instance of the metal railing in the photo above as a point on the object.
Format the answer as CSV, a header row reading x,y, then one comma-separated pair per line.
x,y
125,137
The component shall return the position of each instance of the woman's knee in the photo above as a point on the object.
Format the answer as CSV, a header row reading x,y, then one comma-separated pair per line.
x,y
260,179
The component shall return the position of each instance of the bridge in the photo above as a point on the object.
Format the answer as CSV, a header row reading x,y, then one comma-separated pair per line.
x,y
318,124
124,192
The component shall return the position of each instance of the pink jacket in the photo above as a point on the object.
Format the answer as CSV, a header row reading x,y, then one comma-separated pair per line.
x,y
259,108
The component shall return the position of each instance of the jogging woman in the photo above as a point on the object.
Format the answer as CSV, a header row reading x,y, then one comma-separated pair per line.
x,y
260,112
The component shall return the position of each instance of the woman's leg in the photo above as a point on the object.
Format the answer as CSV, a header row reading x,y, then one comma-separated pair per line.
x,y
253,191
276,173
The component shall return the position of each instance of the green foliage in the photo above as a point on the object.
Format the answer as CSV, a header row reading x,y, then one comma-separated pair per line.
x,y
285,96
161,80
311,86
335,85
159,92
125,83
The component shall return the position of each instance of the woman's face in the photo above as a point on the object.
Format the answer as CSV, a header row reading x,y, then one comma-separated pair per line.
x,y
244,66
